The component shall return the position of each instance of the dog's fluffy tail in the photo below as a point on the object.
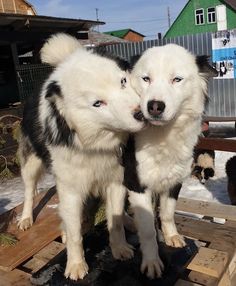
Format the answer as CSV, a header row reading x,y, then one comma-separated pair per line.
x,y
57,48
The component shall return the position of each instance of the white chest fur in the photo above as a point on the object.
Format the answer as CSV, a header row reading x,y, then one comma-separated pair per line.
x,y
164,154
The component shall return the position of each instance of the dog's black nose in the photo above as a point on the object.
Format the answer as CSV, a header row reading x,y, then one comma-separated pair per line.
x,y
138,115
155,107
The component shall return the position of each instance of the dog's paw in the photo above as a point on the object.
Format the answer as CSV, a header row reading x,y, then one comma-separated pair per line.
x,y
122,251
25,223
175,241
153,267
76,271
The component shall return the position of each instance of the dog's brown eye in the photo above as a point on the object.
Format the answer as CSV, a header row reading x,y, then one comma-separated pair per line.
x,y
177,79
123,82
146,78
98,103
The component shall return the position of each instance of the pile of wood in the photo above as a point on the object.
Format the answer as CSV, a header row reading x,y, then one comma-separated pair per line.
x,y
213,264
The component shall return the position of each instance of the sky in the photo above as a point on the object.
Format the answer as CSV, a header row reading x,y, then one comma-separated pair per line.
x,y
147,17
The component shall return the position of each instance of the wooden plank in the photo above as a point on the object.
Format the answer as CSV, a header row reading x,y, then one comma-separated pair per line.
x,y
218,119
181,282
229,272
50,251
206,231
207,208
14,278
44,230
209,261
202,279
41,258
220,144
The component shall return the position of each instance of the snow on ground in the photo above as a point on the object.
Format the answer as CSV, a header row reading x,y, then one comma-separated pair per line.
x,y
12,191
215,190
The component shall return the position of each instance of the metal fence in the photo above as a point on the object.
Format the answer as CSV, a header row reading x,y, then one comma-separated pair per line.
x,y
222,92
30,78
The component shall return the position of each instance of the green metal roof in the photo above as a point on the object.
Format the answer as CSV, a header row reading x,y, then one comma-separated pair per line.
x,y
121,33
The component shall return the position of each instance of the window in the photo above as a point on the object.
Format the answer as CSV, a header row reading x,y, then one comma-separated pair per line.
x,y
211,15
199,17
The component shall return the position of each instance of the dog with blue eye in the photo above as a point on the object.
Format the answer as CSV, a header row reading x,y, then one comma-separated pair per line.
x,y
76,127
172,85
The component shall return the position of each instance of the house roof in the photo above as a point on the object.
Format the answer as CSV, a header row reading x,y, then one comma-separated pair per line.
x,y
122,33
100,39
231,3
20,22
28,3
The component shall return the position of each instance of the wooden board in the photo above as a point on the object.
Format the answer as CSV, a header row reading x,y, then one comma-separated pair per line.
x,y
209,261
207,208
202,279
181,282
41,258
217,144
44,230
14,278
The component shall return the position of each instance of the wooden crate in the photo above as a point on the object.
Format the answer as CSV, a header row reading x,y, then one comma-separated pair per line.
x,y
213,264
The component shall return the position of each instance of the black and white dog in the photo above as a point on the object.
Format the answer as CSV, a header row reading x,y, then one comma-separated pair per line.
x,y
77,126
203,166
172,85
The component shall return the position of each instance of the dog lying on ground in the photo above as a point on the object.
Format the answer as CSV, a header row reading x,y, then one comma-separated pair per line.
x,y
230,169
76,127
203,166
172,85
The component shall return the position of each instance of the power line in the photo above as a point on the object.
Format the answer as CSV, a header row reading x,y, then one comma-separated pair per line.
x,y
137,21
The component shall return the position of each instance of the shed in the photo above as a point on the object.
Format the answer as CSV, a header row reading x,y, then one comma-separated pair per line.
x,y
127,34
20,34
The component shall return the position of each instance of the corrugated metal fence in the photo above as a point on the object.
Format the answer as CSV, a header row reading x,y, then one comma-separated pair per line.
x,y
222,92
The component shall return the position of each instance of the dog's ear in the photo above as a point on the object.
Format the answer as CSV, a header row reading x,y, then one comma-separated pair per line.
x,y
57,48
53,90
134,60
205,68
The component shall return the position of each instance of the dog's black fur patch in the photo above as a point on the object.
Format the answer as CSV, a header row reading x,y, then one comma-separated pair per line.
x,y
174,192
205,67
230,169
208,173
122,63
63,135
32,129
53,88
131,179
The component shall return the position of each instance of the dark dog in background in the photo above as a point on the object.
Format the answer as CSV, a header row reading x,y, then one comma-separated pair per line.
x,y
203,166
230,169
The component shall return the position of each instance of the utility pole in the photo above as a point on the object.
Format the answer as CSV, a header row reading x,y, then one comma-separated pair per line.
x,y
97,19
168,15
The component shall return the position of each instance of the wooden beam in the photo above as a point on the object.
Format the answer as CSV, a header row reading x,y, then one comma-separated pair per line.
x,y
207,208
220,144
209,261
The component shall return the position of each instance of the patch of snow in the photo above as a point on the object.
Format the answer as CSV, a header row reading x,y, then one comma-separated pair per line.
x,y
12,191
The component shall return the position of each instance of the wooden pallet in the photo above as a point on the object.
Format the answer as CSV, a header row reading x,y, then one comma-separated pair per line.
x,y
214,263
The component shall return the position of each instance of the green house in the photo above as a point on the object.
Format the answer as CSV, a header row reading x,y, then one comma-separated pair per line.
x,y
199,16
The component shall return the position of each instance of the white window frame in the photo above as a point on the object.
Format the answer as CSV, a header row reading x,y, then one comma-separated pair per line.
x,y
198,15
212,22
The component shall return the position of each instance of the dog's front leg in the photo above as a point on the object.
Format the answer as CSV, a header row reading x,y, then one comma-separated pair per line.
x,y
141,203
71,209
115,213
167,210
